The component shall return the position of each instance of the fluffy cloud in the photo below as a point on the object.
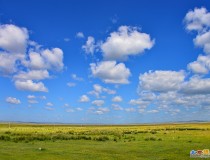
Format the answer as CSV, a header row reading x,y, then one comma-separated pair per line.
x,y
125,42
84,98
13,100
29,85
117,107
8,63
13,39
140,103
76,78
98,89
198,19
99,111
201,65
98,103
32,75
90,45
161,81
79,109
144,100
170,100
203,41
31,97
49,104
80,35
196,85
13,43
111,72
46,59
102,110
117,99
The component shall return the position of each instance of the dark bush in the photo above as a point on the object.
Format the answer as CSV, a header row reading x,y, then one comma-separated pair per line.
x,y
153,131
7,132
5,138
150,139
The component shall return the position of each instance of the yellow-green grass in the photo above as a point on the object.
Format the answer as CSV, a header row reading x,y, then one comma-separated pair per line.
x,y
63,142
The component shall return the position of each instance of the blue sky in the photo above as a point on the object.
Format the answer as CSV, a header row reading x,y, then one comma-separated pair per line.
x,y
104,61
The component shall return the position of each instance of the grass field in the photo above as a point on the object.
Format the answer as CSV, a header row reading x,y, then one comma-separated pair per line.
x,y
63,142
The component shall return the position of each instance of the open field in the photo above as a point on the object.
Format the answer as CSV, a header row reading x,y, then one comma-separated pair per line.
x,y
63,142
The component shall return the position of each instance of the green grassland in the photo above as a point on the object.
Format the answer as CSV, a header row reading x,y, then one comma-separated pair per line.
x,y
68,142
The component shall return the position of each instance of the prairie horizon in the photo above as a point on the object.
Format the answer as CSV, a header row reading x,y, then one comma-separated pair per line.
x,y
174,141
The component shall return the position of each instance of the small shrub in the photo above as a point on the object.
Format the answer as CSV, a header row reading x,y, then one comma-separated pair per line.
x,y
115,139
127,132
70,132
7,132
142,131
150,139
153,132
146,139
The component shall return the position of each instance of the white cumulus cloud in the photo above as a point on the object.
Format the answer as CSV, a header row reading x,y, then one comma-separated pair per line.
x,y
31,97
8,62
32,75
161,81
197,19
125,42
111,72
80,35
90,45
117,99
98,89
49,104
201,65
76,78
13,39
117,107
197,85
46,59
84,98
29,85
13,100
98,103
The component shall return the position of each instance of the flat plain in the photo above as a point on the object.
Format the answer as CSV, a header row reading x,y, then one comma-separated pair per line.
x,y
102,142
